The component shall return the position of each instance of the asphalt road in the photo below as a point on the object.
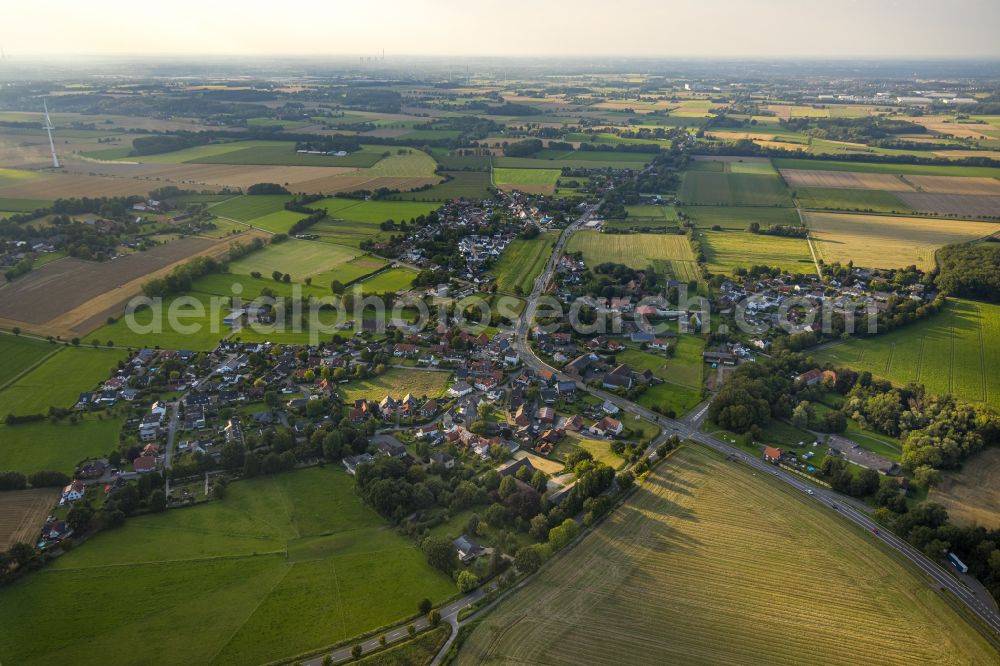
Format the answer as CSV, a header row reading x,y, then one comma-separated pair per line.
x,y
688,428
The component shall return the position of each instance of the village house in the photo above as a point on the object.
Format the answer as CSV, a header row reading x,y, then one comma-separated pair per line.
x,y
607,427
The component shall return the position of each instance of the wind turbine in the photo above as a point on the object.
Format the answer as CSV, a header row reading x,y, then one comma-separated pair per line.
x,y
48,128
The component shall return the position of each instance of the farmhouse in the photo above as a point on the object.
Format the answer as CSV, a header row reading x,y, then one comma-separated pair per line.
x,y
772,454
468,549
607,427
74,491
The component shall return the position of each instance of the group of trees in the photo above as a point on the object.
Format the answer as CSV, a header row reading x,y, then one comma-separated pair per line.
x,y
42,479
970,271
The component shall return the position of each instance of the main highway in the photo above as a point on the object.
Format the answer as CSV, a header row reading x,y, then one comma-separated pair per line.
x,y
688,428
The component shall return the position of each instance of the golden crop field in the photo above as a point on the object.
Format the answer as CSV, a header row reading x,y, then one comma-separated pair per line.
x,y
22,514
972,496
635,250
707,564
885,241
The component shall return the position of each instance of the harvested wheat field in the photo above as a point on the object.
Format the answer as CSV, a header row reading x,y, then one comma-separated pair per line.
x,y
216,175
706,564
955,185
972,496
952,204
845,179
887,241
65,185
22,514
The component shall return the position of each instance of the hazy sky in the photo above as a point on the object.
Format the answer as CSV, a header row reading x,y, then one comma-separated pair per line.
x,y
696,28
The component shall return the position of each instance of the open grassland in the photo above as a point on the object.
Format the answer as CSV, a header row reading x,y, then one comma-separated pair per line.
x,y
728,250
831,198
635,250
708,188
18,354
235,578
41,445
701,560
784,164
760,166
397,382
530,181
373,211
955,351
739,218
521,262
200,328
298,258
22,514
972,495
58,380
886,241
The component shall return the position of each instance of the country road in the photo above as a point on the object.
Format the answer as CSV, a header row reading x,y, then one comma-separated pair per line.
x,y
688,428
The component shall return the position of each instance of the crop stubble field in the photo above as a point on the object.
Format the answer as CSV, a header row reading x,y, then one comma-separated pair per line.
x,y
706,564
22,514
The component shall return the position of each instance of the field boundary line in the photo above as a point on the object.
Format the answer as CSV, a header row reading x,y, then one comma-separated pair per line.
x,y
951,359
809,240
30,368
982,352
920,357
888,359
256,607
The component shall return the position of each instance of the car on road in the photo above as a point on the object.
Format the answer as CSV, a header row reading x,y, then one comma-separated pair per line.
x,y
810,491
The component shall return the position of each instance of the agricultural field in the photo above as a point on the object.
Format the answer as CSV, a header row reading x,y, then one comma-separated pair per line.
x,y
522,262
972,495
646,217
886,241
298,258
276,550
759,166
635,250
389,281
728,250
71,297
250,207
708,188
22,514
784,164
373,212
591,159
58,380
200,328
959,205
730,550
397,382
457,185
41,445
954,351
18,354
831,198
739,218
529,181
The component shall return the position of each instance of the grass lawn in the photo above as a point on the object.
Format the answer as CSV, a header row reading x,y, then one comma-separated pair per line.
x,y
646,216
727,250
732,549
235,578
522,262
17,354
195,309
531,181
42,445
954,351
682,374
397,382
58,380
599,448
888,241
635,250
